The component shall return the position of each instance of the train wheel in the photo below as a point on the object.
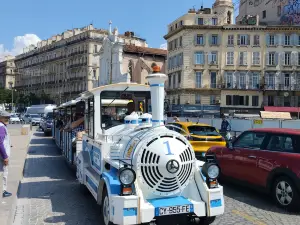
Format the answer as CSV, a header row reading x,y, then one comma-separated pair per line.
x,y
105,209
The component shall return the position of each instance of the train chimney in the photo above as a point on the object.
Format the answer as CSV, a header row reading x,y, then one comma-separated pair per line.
x,y
157,81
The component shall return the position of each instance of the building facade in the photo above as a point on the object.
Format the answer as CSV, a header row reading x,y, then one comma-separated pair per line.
x,y
7,73
240,67
270,12
66,64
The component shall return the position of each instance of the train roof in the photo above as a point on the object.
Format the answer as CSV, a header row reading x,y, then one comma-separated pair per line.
x,y
116,87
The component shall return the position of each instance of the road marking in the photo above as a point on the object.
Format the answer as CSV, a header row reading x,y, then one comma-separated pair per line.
x,y
248,217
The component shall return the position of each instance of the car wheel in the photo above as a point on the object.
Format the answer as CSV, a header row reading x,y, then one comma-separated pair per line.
x,y
285,193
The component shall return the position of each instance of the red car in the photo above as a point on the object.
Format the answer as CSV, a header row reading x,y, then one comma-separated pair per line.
x,y
268,158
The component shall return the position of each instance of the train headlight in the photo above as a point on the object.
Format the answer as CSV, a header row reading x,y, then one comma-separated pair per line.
x,y
127,176
211,170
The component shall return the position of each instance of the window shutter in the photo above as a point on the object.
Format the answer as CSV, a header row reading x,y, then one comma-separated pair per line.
x,y
293,59
297,58
267,39
218,40
209,57
239,40
252,58
210,39
245,58
204,39
248,39
195,39
203,58
276,58
267,58
281,58
276,39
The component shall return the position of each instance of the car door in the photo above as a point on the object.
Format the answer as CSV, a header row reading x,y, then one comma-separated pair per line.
x,y
278,151
247,146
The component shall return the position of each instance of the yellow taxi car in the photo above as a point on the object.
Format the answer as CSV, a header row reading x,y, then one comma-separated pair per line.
x,y
201,136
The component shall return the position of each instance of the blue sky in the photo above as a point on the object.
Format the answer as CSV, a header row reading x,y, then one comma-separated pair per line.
x,y
148,19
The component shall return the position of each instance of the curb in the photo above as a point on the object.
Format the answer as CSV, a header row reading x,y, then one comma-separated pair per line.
x,y
13,212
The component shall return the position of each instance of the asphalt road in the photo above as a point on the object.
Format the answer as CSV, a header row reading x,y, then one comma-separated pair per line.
x,y
49,194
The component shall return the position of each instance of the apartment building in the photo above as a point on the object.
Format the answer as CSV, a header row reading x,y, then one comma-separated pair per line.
x,y
241,67
66,64
7,72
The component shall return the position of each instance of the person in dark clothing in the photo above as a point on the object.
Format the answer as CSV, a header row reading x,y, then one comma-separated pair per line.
x,y
225,125
130,108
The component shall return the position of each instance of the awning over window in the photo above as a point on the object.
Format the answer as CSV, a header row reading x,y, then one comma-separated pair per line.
x,y
275,115
281,109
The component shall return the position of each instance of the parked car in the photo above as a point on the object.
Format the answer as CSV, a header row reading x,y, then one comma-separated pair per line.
x,y
14,119
201,136
35,119
26,118
46,123
267,158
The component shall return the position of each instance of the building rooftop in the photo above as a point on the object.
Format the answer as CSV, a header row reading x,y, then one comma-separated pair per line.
x,y
145,50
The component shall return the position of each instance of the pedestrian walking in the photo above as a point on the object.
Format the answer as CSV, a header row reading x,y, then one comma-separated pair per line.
x,y
4,152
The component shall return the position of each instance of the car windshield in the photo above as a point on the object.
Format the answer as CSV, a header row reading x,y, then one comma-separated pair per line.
x,y
13,116
203,131
34,116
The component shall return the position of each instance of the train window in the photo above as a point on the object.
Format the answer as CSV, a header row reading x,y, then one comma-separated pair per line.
x,y
116,105
90,117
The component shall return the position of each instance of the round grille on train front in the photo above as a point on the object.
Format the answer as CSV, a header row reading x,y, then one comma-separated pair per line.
x,y
165,164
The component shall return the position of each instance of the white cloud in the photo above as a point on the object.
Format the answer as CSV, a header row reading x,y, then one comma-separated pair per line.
x,y
163,46
19,43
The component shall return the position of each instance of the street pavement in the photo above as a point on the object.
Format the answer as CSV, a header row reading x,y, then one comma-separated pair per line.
x,y
16,165
49,194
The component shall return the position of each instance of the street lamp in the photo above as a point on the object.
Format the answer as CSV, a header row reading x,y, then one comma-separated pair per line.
x,y
12,95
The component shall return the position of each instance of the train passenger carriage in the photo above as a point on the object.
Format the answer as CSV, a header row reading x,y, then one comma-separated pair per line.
x,y
138,170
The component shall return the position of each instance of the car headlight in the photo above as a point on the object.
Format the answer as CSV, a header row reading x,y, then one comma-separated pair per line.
x,y
211,170
127,176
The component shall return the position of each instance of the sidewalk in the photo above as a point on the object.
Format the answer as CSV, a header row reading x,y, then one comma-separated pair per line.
x,y
15,173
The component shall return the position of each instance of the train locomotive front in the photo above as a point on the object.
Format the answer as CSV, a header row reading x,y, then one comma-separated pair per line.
x,y
150,173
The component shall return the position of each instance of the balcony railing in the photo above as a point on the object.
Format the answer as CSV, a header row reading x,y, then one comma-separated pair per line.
x,y
241,86
282,87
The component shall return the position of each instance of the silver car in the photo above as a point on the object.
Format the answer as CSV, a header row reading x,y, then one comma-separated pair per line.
x,y
35,119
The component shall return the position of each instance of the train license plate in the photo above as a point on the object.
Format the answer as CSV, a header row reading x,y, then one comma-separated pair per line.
x,y
171,210
215,203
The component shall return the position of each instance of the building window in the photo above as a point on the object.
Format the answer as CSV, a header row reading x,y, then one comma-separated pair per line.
x,y
90,117
242,80
256,40
287,40
198,79
279,10
199,58
214,21
229,80
178,100
179,77
212,99
255,100
287,58
230,40
181,22
213,58
270,80
271,60
213,79
271,100
94,74
264,14
272,40
214,39
243,58
287,80
255,81
243,39
197,99
228,99
200,21
170,81
95,48
174,80
256,58
180,41
298,58
229,58
199,39
298,39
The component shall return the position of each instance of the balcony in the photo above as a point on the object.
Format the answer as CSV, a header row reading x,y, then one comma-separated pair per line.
x,y
282,87
241,86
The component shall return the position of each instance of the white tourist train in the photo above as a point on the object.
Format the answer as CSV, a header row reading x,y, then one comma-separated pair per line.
x,y
138,170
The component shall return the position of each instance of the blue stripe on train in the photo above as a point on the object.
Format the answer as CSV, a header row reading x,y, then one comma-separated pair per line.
x,y
130,212
166,202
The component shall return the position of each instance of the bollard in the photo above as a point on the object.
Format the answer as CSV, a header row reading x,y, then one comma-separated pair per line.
x,y
30,126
